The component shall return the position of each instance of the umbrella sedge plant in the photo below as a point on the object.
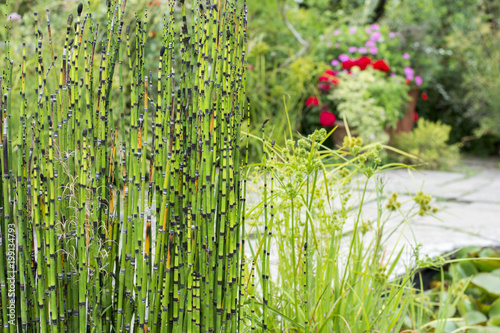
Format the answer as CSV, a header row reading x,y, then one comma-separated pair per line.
x,y
124,189
327,250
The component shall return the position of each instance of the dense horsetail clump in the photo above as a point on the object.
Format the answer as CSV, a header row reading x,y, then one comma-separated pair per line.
x,y
122,191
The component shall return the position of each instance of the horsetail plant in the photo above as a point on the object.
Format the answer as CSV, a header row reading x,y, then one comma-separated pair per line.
x,y
125,192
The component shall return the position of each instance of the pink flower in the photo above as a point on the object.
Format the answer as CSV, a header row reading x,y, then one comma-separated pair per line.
x,y
250,67
352,49
409,73
327,119
335,62
343,57
370,43
336,32
362,50
406,56
352,30
374,27
373,50
368,31
375,36
392,35
14,17
418,80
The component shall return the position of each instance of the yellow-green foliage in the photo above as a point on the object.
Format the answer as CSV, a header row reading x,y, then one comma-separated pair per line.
x,y
371,102
428,141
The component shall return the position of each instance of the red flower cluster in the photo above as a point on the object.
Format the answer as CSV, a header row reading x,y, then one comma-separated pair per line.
x,y
327,79
329,76
348,64
381,65
327,119
312,101
324,87
329,72
364,62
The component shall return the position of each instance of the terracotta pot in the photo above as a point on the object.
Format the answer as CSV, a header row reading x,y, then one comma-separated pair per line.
x,y
340,133
408,121
406,124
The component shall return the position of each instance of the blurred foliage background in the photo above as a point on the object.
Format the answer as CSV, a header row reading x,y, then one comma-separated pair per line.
x,y
455,47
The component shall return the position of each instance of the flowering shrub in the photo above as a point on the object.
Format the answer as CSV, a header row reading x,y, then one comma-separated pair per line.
x,y
370,101
319,112
371,42
368,83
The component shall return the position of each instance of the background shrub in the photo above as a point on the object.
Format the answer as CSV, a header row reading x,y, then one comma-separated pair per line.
x,y
429,141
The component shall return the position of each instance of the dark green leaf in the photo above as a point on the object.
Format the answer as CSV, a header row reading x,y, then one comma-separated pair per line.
x,y
462,270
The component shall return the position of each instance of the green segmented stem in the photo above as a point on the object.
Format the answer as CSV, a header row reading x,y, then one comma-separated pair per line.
x,y
136,224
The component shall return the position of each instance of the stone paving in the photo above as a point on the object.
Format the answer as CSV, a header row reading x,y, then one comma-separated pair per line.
x,y
469,210
468,202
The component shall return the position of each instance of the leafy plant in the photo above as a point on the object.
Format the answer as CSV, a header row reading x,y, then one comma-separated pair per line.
x,y
463,294
371,102
332,272
446,39
428,141
482,81
424,26
273,91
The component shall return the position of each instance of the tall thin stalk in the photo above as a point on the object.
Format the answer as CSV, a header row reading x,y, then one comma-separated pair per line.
x,y
132,224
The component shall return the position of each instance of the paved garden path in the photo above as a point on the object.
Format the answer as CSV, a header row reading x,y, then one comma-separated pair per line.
x,y
469,211
468,202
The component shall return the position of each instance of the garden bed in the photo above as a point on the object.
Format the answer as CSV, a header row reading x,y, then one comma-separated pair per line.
x,y
463,292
